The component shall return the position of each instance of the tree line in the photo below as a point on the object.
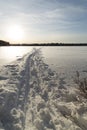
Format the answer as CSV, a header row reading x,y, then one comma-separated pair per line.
x,y
5,43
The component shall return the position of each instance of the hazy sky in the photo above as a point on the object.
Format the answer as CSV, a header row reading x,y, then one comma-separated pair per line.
x,y
44,20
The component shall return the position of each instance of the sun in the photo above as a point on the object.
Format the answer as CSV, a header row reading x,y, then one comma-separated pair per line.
x,y
15,33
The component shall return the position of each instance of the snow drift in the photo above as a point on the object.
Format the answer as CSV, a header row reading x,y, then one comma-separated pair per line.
x,y
33,97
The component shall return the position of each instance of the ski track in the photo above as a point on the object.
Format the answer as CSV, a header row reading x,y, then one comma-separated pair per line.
x,y
34,97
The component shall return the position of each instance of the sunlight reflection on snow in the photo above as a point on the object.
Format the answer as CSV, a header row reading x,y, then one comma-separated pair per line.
x,y
8,54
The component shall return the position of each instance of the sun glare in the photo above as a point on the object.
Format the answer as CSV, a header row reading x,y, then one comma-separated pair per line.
x,y
15,33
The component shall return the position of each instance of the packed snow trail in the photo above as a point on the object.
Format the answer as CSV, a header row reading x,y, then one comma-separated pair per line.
x,y
13,93
33,97
51,105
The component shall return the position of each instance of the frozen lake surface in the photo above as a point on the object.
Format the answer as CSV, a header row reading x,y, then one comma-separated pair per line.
x,y
9,54
35,97
67,58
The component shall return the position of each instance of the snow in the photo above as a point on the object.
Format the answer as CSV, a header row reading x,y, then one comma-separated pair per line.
x,y
35,97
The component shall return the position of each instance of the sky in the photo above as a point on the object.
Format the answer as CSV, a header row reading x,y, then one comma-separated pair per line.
x,y
39,21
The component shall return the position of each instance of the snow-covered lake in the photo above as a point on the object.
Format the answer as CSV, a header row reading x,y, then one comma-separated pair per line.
x,y
57,57
68,58
35,97
9,54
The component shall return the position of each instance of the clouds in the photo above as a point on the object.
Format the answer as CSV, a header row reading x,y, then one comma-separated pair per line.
x,y
48,9
46,16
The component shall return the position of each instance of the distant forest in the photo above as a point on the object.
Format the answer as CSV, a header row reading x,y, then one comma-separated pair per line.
x,y
54,44
5,43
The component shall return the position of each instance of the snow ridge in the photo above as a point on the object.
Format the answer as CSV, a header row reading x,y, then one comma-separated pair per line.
x,y
33,97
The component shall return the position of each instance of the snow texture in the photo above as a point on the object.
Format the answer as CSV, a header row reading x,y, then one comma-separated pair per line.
x,y
34,97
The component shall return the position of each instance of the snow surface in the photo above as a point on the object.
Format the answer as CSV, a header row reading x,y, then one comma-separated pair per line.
x,y
34,97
